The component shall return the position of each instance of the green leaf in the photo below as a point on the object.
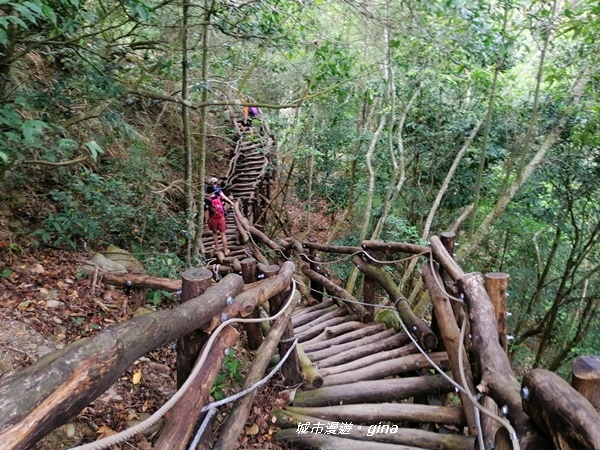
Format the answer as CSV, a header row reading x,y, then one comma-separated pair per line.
x,y
33,128
94,149
67,144
4,157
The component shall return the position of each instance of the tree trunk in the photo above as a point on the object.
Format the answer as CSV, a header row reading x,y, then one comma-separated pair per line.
x,y
309,371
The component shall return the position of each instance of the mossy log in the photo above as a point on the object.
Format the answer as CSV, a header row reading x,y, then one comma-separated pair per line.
x,y
309,371
418,327
375,391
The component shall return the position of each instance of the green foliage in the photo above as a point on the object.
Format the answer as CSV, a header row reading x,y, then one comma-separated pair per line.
x,y
70,227
229,375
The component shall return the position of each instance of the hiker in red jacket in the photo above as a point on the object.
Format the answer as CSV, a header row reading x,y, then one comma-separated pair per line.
x,y
214,214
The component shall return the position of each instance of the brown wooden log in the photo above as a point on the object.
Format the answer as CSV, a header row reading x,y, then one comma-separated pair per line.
x,y
391,434
337,330
140,281
374,391
388,368
328,248
291,366
308,317
498,380
418,327
332,442
236,420
319,319
561,411
305,291
194,283
340,293
496,284
363,336
185,414
265,289
446,260
312,308
385,412
369,295
318,329
309,371
493,434
394,247
450,334
67,380
254,334
369,360
337,354
586,378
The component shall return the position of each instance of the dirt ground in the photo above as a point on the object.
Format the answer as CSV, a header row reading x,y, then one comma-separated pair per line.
x,y
45,304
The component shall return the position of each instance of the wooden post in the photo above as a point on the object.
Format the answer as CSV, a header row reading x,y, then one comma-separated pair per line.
x,y
369,295
187,412
253,330
495,285
586,378
450,334
291,367
194,283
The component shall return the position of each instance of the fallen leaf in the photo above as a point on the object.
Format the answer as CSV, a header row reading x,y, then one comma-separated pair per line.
x,y
137,377
252,430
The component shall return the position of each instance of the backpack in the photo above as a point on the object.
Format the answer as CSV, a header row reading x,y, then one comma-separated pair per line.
x,y
217,208
254,111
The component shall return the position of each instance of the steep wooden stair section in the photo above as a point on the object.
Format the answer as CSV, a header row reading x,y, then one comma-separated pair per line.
x,y
369,388
247,182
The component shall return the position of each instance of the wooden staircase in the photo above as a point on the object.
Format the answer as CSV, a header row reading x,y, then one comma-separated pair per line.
x,y
247,182
373,389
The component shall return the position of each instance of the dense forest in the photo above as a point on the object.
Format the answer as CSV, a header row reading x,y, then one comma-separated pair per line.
x,y
394,121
